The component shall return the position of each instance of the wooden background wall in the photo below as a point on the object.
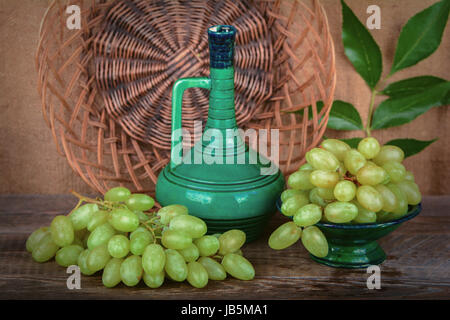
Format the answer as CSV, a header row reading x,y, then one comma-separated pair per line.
x,y
28,159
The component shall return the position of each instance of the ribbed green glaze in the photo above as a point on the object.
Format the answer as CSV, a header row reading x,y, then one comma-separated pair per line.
x,y
228,194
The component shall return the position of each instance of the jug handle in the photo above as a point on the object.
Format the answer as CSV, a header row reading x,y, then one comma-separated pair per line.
x,y
177,100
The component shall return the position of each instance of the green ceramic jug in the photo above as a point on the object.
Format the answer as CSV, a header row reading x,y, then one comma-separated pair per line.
x,y
219,180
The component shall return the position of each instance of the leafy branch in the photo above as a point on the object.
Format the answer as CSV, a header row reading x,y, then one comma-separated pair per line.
x,y
406,99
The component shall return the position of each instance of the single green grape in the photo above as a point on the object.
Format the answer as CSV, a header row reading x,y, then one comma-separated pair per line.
x,y
82,263
117,194
315,242
154,259
175,266
389,198
389,153
231,241
35,237
238,267
124,220
324,179
299,180
369,198
306,166
68,256
344,191
207,245
176,240
395,170
292,204
140,202
364,215
100,235
288,193
197,275
284,236
354,161
139,241
402,201
308,215
62,231
336,147
97,219
98,258
371,175
81,216
118,246
322,159
340,212
326,194
131,270
215,270
167,213
111,273
192,226
45,249
369,147
190,253
315,198
154,280
411,190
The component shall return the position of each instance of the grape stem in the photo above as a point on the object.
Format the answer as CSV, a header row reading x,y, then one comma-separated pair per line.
x,y
153,219
151,230
90,200
76,207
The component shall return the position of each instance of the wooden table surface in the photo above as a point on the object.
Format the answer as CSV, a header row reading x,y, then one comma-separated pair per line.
x,y
417,265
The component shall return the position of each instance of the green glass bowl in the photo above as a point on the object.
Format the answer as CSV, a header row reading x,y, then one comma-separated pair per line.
x,y
354,245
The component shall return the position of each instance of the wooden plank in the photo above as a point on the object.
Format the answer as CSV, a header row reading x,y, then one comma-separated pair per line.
x,y
417,264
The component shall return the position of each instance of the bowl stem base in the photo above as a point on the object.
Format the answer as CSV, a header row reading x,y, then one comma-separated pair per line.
x,y
352,257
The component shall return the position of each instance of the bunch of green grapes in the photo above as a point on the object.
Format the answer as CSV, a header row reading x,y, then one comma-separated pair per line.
x,y
339,184
121,237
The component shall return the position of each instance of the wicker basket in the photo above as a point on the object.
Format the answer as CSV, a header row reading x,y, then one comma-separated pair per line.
x,y
90,128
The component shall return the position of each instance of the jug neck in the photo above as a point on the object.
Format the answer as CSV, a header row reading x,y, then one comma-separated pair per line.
x,y
221,113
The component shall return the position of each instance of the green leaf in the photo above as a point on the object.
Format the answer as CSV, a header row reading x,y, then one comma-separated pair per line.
x,y
411,86
410,146
360,48
397,111
344,116
421,35
352,142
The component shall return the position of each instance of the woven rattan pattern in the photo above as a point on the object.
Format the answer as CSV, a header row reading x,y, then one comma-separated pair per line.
x,y
145,46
